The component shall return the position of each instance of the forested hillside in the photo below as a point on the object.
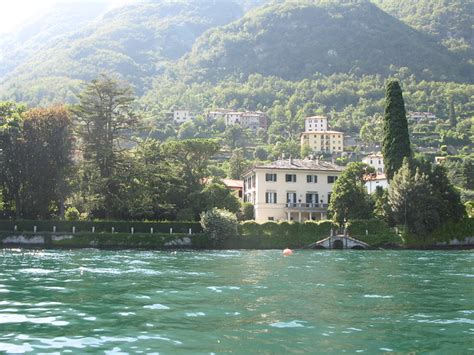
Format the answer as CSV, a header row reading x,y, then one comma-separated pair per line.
x,y
450,21
295,40
44,30
134,41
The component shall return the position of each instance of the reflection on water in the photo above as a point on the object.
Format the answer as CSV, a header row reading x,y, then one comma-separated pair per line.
x,y
244,301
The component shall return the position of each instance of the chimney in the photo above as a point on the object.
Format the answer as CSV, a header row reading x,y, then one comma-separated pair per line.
x,y
291,160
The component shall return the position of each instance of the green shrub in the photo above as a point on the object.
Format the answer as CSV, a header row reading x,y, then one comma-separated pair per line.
x,y
374,232
72,214
247,212
283,234
219,224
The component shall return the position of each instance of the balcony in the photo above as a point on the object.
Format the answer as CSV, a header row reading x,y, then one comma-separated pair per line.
x,y
306,206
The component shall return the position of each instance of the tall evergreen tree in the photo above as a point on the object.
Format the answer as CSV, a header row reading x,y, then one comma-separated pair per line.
x,y
105,120
396,142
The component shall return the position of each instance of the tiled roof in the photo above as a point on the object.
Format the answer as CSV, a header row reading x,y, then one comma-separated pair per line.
x,y
232,183
316,117
301,164
374,155
322,132
373,177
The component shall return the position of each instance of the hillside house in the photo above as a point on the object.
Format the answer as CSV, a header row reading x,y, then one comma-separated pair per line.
x,y
319,138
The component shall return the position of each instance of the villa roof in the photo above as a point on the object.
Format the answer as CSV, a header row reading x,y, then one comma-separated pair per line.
x,y
322,132
374,177
374,155
233,184
316,117
301,164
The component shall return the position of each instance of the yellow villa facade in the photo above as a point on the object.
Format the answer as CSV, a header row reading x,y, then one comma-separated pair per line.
x,y
319,138
324,141
290,189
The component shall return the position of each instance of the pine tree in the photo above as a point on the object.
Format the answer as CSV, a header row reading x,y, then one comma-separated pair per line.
x,y
452,113
105,121
412,202
396,142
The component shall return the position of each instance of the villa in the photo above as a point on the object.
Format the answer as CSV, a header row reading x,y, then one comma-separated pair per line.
x,y
319,138
375,160
372,181
290,189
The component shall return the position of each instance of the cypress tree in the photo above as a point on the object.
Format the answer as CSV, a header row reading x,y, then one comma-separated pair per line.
x,y
396,142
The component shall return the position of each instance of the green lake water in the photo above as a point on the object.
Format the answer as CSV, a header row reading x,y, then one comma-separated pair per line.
x,y
245,302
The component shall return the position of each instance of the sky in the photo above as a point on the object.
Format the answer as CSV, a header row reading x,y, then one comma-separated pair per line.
x,y
14,12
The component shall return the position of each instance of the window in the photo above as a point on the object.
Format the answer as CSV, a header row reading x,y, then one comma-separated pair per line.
x,y
312,178
290,177
270,177
291,197
332,179
271,218
312,198
271,197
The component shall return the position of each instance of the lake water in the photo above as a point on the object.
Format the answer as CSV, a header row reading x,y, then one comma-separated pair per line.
x,y
237,301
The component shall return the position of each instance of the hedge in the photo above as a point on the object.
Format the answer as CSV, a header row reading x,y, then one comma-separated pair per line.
x,y
282,234
116,240
447,232
100,226
374,232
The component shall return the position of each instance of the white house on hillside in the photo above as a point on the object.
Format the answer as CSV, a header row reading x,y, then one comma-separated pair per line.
x,y
319,138
373,181
181,116
315,124
375,160
247,119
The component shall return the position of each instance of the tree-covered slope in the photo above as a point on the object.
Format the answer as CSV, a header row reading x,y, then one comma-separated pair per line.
x,y
132,41
450,21
293,40
44,30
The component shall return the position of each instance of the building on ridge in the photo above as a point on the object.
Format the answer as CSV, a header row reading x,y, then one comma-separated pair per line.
x,y
182,116
372,181
290,189
376,161
246,119
319,138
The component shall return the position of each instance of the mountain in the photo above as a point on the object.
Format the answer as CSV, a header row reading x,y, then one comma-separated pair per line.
x,y
44,30
294,40
209,40
134,41
450,21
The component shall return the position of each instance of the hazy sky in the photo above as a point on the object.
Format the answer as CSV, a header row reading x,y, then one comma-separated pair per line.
x,y
14,12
